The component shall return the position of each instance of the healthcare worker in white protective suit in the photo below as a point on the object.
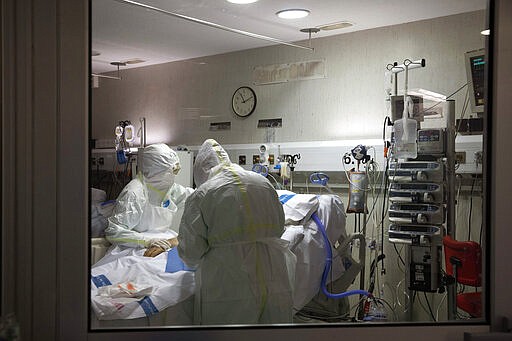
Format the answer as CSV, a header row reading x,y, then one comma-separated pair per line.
x,y
230,231
149,208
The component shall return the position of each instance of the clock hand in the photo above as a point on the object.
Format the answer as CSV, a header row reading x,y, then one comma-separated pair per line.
x,y
243,100
247,99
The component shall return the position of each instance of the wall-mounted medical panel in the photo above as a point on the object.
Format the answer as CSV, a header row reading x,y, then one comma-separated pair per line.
x,y
327,155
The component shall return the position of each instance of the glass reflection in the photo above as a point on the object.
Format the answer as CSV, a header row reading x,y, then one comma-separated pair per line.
x,y
371,144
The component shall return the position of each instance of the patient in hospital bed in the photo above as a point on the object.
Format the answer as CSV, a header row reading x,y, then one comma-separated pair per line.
x,y
308,245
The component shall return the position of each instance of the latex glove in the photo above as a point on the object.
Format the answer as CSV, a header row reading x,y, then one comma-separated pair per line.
x,y
157,246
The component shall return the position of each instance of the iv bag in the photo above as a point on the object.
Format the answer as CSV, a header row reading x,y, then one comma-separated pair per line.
x,y
406,146
405,138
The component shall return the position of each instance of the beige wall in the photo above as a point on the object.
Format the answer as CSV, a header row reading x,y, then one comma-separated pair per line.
x,y
348,103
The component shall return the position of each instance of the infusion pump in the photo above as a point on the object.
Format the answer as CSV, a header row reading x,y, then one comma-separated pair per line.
x,y
417,213
416,192
406,171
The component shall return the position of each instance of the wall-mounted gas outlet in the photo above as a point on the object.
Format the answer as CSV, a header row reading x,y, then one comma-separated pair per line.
x,y
242,160
460,157
271,159
104,160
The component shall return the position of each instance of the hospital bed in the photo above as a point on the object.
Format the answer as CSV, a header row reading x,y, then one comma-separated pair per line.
x,y
171,295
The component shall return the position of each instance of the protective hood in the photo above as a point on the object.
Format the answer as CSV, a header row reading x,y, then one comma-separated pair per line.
x,y
210,154
158,158
158,185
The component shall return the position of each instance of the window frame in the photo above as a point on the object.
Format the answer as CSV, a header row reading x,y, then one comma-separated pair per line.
x,y
58,249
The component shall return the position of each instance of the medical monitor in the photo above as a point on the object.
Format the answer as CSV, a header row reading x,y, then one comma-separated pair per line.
x,y
475,64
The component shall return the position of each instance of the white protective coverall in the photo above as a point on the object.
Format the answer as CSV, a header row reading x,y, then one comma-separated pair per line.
x,y
149,208
230,231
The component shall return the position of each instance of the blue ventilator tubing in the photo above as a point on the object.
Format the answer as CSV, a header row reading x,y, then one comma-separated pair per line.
x,y
328,262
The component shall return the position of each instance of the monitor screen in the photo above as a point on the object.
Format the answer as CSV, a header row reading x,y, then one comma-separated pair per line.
x,y
475,64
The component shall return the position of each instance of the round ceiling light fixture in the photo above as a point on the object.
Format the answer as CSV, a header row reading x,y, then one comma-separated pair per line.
x,y
242,2
295,13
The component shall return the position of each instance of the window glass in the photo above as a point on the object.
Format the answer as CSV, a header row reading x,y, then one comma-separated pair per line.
x,y
237,181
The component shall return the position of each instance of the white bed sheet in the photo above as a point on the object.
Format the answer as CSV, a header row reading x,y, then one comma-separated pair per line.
x,y
153,289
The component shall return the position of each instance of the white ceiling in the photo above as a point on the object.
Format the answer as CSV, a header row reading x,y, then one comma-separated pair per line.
x,y
122,32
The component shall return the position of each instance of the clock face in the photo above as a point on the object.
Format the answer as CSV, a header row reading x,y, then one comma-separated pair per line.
x,y
243,101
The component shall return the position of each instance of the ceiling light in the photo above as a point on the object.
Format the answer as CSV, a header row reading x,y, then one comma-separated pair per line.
x,y
486,32
335,26
134,61
293,13
243,2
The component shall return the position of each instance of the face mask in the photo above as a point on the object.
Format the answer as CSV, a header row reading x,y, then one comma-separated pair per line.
x,y
162,181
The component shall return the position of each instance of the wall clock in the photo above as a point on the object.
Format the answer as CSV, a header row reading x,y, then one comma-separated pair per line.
x,y
243,101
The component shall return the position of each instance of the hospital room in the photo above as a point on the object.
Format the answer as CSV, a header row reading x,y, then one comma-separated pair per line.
x,y
287,163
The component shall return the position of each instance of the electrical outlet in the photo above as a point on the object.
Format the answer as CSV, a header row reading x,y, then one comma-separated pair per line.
x,y
242,160
255,159
460,157
101,161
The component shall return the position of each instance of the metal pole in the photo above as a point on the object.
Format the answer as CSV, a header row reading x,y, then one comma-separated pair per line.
x,y
105,76
365,188
450,166
395,84
362,246
214,25
144,130
450,198
410,293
